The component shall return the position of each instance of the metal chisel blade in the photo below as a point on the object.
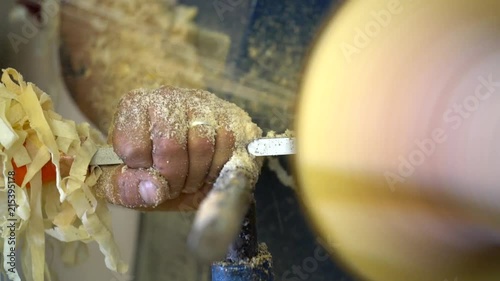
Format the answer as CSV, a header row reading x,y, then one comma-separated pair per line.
x,y
105,155
272,146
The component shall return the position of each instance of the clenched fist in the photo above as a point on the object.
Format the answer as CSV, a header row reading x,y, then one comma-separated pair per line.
x,y
174,143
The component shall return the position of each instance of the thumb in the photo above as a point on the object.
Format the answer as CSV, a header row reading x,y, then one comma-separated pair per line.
x,y
132,188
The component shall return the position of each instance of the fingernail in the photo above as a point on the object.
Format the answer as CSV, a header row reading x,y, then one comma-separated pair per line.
x,y
148,192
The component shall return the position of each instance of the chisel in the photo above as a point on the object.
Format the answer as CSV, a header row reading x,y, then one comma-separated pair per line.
x,y
260,147
223,210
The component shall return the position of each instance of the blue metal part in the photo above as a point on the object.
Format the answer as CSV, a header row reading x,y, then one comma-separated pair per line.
x,y
271,38
245,260
243,272
239,273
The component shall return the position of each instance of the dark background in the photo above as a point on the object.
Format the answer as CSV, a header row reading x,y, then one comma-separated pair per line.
x,y
269,39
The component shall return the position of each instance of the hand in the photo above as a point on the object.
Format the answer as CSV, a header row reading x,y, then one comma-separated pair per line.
x,y
174,143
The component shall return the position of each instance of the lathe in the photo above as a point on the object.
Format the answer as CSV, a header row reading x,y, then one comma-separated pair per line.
x,y
393,104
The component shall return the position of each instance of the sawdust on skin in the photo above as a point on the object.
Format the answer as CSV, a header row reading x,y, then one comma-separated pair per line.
x,y
181,108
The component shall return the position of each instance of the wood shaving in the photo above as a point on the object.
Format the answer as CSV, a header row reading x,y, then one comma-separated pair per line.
x,y
33,135
127,45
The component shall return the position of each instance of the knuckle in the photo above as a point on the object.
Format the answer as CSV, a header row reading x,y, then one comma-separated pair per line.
x,y
130,151
134,155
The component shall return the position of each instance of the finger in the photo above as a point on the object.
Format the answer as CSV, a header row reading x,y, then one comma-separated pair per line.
x,y
224,147
171,160
170,154
130,132
185,202
133,188
201,146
